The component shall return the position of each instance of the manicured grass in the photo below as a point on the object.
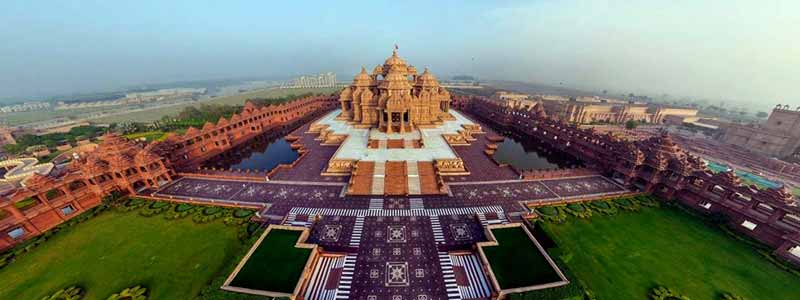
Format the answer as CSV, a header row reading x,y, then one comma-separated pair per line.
x,y
26,204
149,135
276,265
516,262
174,259
624,255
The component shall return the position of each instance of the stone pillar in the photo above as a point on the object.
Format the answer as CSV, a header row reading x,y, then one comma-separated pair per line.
x,y
402,122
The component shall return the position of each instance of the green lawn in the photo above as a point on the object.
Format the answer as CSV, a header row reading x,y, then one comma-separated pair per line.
x,y
276,265
624,255
517,252
174,259
148,135
238,99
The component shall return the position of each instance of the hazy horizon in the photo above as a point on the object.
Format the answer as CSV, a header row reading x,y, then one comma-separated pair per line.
x,y
738,50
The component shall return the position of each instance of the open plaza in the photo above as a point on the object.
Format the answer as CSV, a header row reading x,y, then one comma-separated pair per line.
x,y
396,189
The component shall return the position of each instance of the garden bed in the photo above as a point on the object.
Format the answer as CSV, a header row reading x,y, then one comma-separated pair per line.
x,y
517,262
273,266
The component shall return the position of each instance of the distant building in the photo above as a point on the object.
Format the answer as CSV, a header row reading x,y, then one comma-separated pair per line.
x,y
27,106
135,98
586,110
321,80
6,136
505,96
778,137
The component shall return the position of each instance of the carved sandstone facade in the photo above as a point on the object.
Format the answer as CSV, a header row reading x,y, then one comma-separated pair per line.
x,y
659,166
779,136
394,98
42,202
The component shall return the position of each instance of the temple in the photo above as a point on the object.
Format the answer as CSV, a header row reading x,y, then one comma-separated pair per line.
x,y
396,194
394,98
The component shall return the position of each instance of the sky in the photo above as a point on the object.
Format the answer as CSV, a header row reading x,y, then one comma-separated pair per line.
x,y
731,49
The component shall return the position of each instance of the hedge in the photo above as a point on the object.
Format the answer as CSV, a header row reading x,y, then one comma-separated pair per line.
x,y
69,293
132,293
664,293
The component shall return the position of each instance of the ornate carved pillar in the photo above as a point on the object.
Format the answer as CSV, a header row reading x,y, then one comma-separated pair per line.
x,y
402,122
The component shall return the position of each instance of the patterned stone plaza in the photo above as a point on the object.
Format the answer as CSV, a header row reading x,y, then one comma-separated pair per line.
x,y
391,247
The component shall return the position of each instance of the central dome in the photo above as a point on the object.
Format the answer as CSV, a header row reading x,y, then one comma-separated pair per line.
x,y
394,60
394,98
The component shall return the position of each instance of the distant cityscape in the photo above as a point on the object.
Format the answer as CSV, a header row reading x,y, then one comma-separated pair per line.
x,y
321,80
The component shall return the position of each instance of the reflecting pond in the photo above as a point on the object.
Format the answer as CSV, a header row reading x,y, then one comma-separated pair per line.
x,y
526,153
260,154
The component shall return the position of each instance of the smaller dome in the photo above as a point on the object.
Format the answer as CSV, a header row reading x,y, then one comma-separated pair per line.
x,y
363,74
362,79
394,60
426,79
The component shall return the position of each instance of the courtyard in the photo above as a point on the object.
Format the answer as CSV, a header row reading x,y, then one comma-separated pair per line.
x,y
174,259
625,255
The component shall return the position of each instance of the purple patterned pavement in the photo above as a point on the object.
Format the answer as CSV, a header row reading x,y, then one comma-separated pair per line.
x,y
400,245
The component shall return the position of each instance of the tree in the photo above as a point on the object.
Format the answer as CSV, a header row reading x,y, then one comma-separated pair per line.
x,y
762,114
133,293
631,124
70,293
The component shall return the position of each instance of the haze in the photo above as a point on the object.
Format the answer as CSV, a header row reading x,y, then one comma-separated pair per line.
x,y
737,50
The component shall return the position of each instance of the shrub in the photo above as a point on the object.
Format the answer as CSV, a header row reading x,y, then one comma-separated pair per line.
x,y
155,208
547,211
133,204
51,194
647,201
159,204
132,293
664,293
578,210
552,213
728,296
604,207
184,207
211,210
242,213
626,204
69,293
